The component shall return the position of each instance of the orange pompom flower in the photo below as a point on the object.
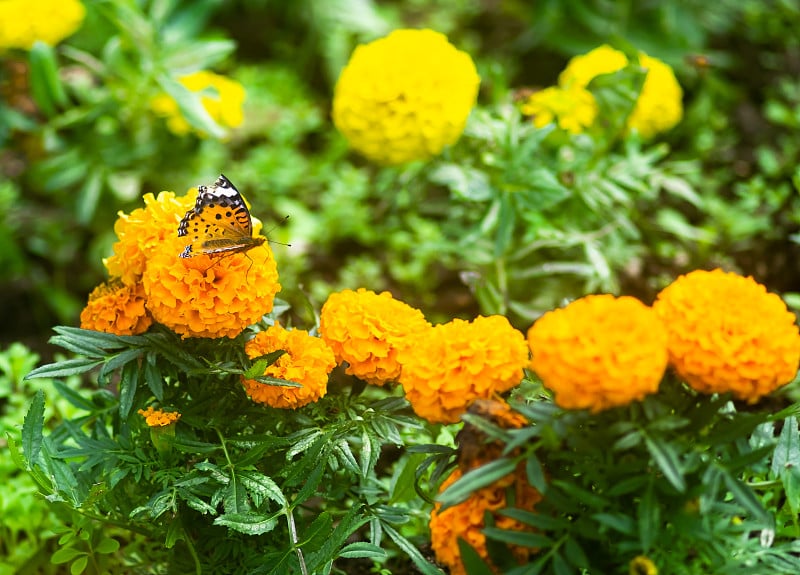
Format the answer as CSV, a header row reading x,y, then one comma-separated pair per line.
x,y
728,334
450,365
158,418
307,361
206,296
367,330
599,352
466,520
117,308
142,233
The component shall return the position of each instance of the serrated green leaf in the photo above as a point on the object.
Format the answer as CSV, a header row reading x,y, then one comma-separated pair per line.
x,y
264,486
261,363
250,523
191,106
64,368
153,377
787,451
746,498
472,561
560,565
317,533
543,522
575,554
74,397
649,516
617,521
535,473
32,429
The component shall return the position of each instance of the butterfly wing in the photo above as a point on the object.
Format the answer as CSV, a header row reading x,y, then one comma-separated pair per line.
x,y
219,222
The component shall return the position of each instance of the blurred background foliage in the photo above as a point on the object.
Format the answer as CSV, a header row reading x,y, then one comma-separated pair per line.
x,y
510,220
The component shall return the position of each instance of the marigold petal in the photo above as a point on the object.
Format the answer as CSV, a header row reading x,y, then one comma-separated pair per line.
x,y
117,308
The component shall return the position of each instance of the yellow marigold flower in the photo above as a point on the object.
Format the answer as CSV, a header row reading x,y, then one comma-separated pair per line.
x,y
728,334
207,296
641,565
116,308
466,520
599,352
660,104
584,68
143,232
22,22
307,361
405,97
158,418
450,365
222,98
367,330
573,109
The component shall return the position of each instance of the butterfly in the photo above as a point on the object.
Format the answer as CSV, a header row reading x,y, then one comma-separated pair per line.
x,y
219,223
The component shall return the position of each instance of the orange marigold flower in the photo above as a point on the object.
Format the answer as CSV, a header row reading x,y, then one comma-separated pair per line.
x,y
450,365
158,418
599,352
207,296
142,233
307,361
367,330
474,447
466,520
116,308
728,334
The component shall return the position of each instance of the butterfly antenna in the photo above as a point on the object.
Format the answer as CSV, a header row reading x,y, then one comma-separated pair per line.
x,y
268,232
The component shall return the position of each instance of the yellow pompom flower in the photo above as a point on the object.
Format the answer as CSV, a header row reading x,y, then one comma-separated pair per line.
x,y
466,520
446,368
222,98
307,361
114,307
728,334
207,296
642,565
599,352
22,22
660,104
405,97
143,232
573,109
367,330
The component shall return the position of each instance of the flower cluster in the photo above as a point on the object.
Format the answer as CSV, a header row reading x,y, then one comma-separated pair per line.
x,y
728,334
658,109
221,97
466,520
158,418
367,330
23,23
452,364
405,97
202,296
117,308
307,361
599,352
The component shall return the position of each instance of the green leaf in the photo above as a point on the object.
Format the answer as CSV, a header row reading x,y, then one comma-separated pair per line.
x,y
260,486
45,84
249,523
65,555
617,521
667,460
535,472
32,428
560,565
575,553
464,182
649,516
107,545
474,480
505,225
74,397
746,498
79,565
787,451
362,549
261,363
318,533
473,562
412,552
64,368
153,377
523,538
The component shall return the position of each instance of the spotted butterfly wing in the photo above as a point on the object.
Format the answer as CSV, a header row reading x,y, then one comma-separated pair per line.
x,y
219,223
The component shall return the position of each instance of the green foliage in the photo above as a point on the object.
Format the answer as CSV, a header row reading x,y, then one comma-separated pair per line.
x,y
235,487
